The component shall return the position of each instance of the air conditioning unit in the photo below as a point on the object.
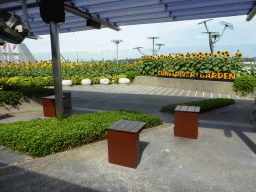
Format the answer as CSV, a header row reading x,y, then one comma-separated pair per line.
x,y
12,28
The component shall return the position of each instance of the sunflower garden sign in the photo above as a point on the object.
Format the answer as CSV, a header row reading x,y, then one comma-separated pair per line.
x,y
195,66
208,76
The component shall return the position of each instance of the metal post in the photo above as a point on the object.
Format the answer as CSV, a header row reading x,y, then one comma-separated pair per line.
x,y
117,52
57,70
25,14
153,48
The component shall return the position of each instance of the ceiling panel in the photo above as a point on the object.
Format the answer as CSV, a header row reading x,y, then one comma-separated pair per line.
x,y
131,12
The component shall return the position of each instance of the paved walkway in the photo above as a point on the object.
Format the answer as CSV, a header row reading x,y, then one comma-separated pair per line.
x,y
221,159
150,90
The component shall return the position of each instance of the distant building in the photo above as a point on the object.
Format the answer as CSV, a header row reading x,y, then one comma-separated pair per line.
x,y
23,54
7,54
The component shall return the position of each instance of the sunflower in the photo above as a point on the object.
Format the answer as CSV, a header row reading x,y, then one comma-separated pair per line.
x,y
200,53
225,58
223,53
206,54
239,54
176,57
218,52
203,58
181,55
226,52
185,59
210,54
215,55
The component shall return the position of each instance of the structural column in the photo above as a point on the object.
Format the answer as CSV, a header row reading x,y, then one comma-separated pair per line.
x,y
54,31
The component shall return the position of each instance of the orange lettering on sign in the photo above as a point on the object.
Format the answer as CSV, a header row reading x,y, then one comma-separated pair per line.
x,y
220,75
225,75
192,74
208,75
232,76
184,74
177,73
214,75
202,75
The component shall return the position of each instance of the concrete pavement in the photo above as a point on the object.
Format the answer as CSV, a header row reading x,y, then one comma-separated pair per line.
x,y
223,158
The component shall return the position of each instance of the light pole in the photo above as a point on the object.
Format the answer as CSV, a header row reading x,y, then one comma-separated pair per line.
x,y
153,43
254,60
210,36
153,51
117,42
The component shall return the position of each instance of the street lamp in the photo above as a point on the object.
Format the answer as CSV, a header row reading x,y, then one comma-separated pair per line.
x,y
153,43
117,42
210,36
153,51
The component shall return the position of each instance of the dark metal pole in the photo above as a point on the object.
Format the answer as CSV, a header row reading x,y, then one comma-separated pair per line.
x,y
54,32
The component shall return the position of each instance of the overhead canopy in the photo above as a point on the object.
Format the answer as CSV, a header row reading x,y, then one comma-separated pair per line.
x,y
116,13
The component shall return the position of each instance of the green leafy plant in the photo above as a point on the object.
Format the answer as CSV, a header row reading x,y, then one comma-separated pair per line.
x,y
244,84
42,137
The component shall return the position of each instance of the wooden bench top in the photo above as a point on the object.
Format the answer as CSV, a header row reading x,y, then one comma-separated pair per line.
x,y
127,126
52,97
192,109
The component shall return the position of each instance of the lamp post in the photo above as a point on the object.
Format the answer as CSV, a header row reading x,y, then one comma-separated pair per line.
x,y
210,36
153,51
153,43
254,60
117,42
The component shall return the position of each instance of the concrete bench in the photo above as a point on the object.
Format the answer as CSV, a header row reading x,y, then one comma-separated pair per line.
x,y
49,104
186,121
123,143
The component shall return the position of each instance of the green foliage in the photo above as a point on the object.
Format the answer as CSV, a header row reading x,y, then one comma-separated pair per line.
x,y
244,84
131,75
205,105
42,137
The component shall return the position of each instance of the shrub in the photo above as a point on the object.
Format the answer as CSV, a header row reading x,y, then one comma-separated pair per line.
x,y
244,84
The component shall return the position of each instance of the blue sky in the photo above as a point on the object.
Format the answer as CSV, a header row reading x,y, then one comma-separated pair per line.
x,y
175,35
